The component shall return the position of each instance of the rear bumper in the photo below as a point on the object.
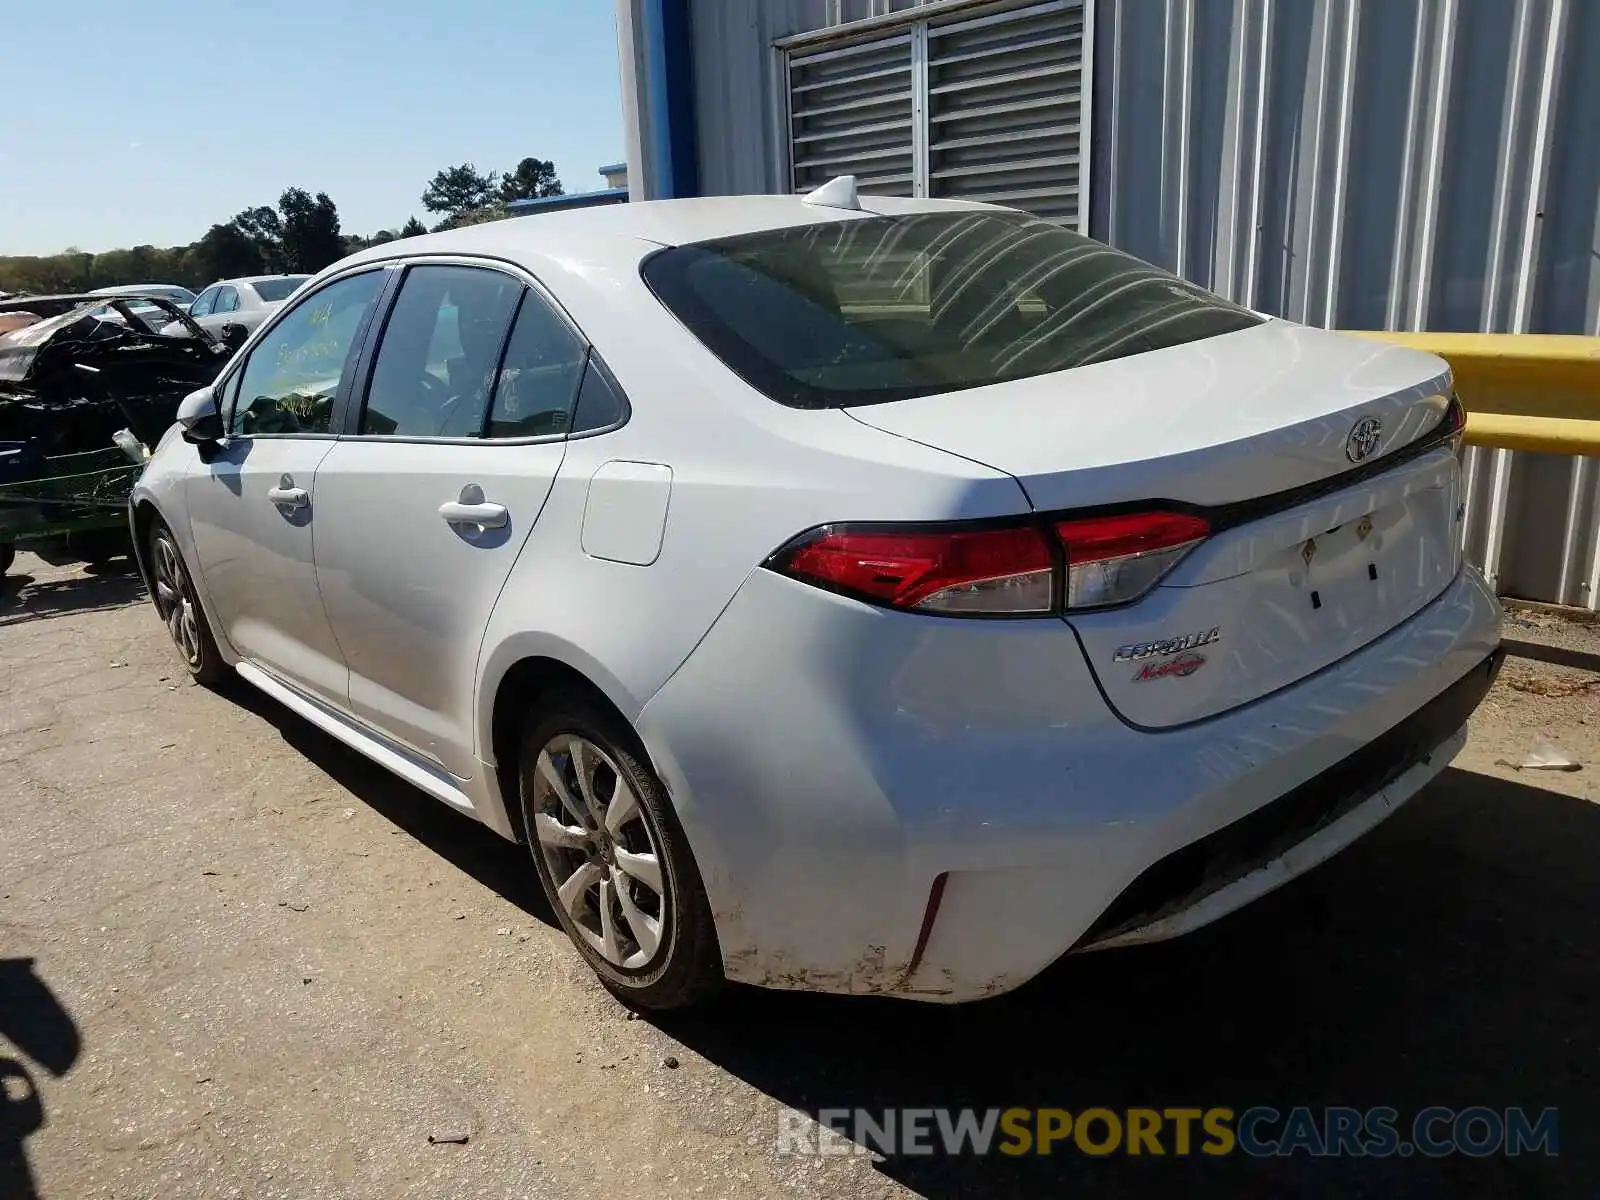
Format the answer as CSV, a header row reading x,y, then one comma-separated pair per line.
x,y
1221,872
836,766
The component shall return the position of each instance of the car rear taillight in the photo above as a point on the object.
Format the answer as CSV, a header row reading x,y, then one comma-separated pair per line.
x,y
1115,560
993,572
1023,570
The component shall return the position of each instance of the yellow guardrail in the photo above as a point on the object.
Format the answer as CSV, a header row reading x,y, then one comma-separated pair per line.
x,y
1522,391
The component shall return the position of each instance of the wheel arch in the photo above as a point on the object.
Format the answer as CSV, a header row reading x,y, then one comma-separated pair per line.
x,y
143,513
515,687
142,516
511,677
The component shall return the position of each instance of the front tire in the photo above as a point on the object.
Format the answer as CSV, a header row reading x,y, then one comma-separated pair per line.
x,y
179,607
612,857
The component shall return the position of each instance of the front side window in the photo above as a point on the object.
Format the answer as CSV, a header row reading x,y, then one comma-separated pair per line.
x,y
227,300
539,380
291,381
436,364
887,308
202,306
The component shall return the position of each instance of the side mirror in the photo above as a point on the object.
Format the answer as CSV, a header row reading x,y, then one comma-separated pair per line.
x,y
234,335
200,418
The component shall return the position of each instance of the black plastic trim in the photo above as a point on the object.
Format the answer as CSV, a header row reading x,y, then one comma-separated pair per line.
x,y
1220,859
358,369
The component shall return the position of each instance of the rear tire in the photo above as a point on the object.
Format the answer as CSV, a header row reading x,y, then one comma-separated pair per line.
x,y
612,857
178,605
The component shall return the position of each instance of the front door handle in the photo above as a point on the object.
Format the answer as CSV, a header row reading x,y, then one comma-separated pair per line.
x,y
288,497
485,516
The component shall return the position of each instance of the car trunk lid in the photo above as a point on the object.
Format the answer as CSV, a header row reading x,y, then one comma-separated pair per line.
x,y
1224,419
1266,603
1302,449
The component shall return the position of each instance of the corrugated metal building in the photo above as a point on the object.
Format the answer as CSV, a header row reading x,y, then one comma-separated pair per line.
x,y
1399,164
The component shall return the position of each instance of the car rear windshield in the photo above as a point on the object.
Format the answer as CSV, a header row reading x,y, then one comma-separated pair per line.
x,y
272,290
886,308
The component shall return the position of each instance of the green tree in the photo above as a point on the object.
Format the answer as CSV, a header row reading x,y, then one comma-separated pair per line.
x,y
532,178
113,267
456,190
311,238
300,235
264,228
412,228
225,252
140,261
473,216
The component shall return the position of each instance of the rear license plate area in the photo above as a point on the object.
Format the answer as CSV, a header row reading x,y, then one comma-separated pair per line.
x,y
1354,570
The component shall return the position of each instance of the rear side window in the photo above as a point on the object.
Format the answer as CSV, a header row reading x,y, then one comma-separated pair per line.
x,y
273,290
539,379
887,308
435,369
600,403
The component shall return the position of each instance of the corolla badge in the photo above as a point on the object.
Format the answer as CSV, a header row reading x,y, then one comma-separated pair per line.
x,y
1163,647
1363,440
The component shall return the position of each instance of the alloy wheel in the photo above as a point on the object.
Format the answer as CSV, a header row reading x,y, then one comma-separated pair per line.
x,y
602,850
175,601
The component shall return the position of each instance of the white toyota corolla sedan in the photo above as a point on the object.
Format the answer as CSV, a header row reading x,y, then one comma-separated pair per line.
x,y
855,594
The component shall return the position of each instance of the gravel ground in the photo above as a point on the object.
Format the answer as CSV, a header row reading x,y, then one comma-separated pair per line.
x,y
260,967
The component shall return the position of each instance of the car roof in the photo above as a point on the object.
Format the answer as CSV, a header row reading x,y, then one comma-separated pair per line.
x,y
253,279
629,229
137,289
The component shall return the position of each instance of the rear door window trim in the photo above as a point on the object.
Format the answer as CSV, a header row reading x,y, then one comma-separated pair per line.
x,y
348,412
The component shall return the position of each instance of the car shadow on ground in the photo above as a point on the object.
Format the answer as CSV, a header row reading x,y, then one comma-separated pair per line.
x,y
467,844
39,1029
24,597
1448,959
1560,656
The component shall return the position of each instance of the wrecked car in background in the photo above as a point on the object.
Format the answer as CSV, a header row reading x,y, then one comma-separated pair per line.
x,y
87,385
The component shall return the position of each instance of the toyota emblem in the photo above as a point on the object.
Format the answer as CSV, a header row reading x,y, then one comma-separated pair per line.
x,y
1363,439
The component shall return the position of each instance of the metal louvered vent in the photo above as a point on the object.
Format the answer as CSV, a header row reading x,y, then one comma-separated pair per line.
x,y
850,113
1004,109
987,103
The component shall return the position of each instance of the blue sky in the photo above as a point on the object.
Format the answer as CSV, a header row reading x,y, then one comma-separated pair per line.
x,y
146,121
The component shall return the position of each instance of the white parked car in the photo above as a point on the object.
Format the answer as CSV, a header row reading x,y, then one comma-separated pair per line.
x,y
245,302
879,596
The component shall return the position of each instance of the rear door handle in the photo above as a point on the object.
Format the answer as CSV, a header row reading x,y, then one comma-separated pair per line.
x,y
290,497
483,515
